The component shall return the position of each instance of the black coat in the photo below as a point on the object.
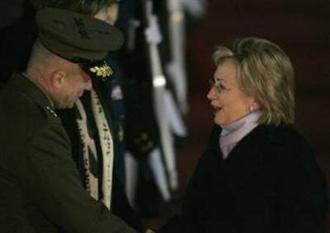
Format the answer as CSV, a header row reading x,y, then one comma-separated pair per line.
x,y
40,186
269,183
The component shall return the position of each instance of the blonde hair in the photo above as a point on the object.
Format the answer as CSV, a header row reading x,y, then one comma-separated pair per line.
x,y
264,72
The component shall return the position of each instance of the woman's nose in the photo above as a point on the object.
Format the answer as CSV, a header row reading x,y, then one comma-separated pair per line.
x,y
211,93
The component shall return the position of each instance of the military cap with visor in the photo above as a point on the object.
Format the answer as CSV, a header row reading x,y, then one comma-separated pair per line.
x,y
79,38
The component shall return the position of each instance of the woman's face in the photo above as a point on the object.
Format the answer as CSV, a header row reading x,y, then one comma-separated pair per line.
x,y
108,14
230,103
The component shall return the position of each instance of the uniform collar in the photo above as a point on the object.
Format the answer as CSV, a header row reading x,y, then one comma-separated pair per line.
x,y
26,87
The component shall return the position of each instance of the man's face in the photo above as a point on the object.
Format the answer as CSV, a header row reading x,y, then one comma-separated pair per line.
x,y
73,85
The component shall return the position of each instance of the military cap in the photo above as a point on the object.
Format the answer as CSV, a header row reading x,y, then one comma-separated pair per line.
x,y
78,38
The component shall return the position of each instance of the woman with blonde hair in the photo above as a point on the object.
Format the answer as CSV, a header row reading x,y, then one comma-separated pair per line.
x,y
258,173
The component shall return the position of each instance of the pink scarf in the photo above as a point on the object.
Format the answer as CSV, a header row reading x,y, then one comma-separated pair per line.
x,y
232,133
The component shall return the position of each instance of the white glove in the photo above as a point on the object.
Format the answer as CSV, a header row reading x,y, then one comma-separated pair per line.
x,y
152,33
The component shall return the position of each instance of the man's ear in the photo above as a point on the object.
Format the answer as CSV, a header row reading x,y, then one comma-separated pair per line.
x,y
57,78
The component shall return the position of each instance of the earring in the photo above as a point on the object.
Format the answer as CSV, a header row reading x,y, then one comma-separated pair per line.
x,y
252,108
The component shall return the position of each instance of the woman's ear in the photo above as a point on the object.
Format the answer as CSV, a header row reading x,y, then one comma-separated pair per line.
x,y
58,78
254,105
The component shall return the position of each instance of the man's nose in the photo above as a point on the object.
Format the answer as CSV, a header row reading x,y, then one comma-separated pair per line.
x,y
89,85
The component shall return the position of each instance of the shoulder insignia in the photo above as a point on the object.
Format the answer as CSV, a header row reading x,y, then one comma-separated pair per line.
x,y
51,111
